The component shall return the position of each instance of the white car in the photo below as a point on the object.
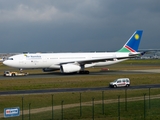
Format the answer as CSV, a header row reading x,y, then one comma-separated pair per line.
x,y
120,82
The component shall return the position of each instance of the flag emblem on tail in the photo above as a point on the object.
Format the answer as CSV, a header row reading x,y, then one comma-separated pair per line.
x,y
132,44
136,36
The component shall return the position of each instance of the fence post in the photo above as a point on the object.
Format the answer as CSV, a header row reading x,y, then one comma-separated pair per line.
x,y
103,102
144,107
52,108
62,110
22,108
80,105
29,111
118,107
126,99
93,108
149,99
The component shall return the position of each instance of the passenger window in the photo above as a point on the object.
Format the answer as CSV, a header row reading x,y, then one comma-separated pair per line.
x,y
123,80
119,81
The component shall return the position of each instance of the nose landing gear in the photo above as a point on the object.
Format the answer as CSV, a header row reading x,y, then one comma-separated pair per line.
x,y
21,70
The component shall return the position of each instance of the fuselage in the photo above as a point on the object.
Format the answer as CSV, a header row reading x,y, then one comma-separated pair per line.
x,y
53,60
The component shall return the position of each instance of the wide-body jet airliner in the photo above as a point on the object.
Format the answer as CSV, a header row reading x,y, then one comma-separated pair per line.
x,y
76,62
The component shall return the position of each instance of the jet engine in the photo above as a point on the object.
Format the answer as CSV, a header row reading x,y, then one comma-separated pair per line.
x,y
69,68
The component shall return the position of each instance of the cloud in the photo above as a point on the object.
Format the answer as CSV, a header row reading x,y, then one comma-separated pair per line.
x,y
83,25
25,13
39,12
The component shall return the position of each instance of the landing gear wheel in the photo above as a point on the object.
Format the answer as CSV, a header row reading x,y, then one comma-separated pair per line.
x,y
21,70
84,72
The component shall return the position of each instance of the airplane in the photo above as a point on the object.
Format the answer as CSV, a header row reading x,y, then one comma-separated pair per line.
x,y
76,62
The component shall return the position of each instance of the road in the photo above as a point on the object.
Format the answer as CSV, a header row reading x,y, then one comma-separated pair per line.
x,y
44,75
75,90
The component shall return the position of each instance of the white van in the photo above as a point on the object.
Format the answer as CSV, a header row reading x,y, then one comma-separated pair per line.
x,y
120,82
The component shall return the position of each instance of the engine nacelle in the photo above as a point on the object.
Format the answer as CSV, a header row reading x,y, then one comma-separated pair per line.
x,y
49,69
69,68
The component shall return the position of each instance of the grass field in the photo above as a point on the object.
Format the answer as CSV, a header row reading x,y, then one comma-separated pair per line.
x,y
135,108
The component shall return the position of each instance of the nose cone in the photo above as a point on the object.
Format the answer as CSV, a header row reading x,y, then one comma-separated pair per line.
x,y
6,62
9,63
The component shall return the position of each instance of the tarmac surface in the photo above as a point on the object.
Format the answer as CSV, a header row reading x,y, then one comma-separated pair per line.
x,y
46,75
76,90
59,74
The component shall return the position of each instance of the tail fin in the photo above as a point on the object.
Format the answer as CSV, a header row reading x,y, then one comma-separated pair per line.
x,y
132,44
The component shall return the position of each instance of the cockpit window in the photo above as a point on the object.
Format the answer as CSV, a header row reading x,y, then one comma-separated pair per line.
x,y
9,58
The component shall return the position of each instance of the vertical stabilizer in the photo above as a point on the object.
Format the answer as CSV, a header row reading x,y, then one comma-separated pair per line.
x,y
132,44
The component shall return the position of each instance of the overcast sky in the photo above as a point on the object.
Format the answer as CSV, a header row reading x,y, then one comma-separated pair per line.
x,y
76,25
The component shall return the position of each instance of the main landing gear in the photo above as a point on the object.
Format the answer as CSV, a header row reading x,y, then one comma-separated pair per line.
x,y
84,72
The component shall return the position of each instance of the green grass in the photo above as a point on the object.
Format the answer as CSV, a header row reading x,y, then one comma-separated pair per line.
x,y
135,109
74,81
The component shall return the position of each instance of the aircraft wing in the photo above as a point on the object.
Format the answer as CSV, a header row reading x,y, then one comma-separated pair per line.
x,y
103,60
89,61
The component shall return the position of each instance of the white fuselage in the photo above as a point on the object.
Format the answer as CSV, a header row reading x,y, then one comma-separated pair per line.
x,y
53,60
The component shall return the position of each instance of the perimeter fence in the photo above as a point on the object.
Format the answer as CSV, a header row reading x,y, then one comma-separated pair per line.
x,y
121,104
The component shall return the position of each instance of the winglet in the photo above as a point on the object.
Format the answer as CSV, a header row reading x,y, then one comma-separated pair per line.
x,y
132,44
